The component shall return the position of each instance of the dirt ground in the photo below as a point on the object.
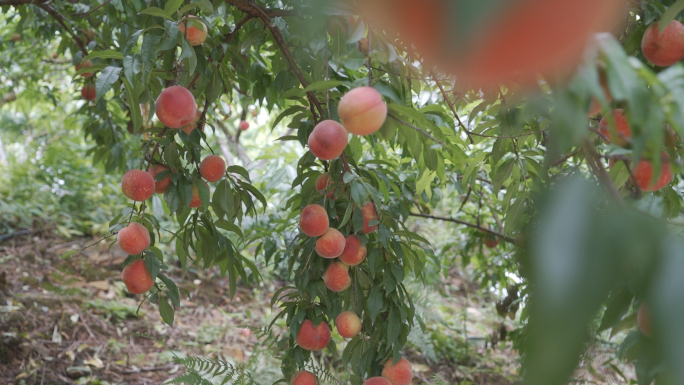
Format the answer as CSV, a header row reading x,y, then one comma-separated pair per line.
x,y
70,321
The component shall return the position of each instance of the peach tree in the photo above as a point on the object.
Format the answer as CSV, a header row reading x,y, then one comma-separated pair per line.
x,y
556,150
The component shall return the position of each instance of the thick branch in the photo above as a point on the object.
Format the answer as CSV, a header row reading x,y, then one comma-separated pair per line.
x,y
460,222
62,21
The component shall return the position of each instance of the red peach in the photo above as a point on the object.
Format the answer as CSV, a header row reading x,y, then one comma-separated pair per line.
x,y
330,244
136,277
400,373
644,320
137,185
362,111
314,220
643,173
196,202
490,241
244,125
368,212
377,381
160,186
348,324
353,253
192,125
88,92
336,277
666,48
175,107
134,238
622,129
197,31
313,338
328,140
303,377
85,64
212,168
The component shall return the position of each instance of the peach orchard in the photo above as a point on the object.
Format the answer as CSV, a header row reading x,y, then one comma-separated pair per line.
x,y
547,131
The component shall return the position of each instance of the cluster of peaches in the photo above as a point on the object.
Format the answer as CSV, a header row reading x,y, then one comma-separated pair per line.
x,y
662,49
175,108
362,112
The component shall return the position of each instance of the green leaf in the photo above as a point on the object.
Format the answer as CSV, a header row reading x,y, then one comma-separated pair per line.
x,y
106,54
617,307
136,115
154,11
374,302
166,311
670,14
172,6
173,292
105,80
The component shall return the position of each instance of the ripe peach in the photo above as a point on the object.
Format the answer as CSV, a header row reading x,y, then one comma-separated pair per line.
x,y
160,186
353,253
303,377
175,107
328,140
88,92
336,277
137,185
330,244
313,338
134,238
314,220
643,173
644,319
362,111
212,168
623,131
244,125
511,42
368,215
666,48
136,277
85,64
348,324
377,381
196,32
325,185
490,240
400,373
196,202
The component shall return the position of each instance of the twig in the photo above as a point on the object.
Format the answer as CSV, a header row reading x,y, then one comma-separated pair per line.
x,y
451,106
91,11
14,234
598,170
61,20
416,128
453,220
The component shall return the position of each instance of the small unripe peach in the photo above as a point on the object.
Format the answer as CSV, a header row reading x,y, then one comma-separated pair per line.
x,y
348,324
175,107
314,220
137,185
353,253
368,212
325,185
303,377
377,381
85,64
134,238
643,173
197,31
328,140
330,244
313,338
362,111
644,320
196,202
364,46
336,277
244,125
160,186
624,132
666,48
212,168
400,373
188,128
88,92
137,278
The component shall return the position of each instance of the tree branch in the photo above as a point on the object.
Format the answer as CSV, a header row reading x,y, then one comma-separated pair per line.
x,y
451,106
62,21
416,128
460,222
